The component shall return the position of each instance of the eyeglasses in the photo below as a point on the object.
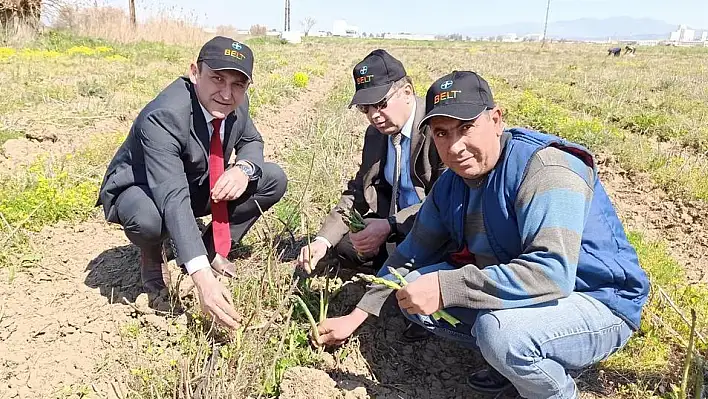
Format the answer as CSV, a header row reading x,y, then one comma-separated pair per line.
x,y
364,108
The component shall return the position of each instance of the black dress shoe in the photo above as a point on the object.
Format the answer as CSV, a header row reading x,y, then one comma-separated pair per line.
x,y
415,333
154,274
488,381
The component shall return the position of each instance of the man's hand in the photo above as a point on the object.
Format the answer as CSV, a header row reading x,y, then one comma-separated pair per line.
x,y
372,237
334,331
230,185
308,258
215,299
421,296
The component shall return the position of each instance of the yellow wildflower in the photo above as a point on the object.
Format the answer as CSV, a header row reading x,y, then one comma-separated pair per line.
x,y
7,52
83,50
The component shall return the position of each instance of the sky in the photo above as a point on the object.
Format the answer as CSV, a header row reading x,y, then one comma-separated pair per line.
x,y
419,16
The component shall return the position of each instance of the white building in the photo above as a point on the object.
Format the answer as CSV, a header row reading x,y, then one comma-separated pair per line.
x,y
704,36
682,34
408,36
688,35
340,27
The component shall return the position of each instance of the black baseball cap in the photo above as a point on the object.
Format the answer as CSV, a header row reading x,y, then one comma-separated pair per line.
x,y
221,53
462,95
374,76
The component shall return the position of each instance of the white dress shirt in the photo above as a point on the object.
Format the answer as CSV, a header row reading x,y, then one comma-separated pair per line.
x,y
406,183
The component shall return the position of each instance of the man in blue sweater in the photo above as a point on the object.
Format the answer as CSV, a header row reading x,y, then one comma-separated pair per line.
x,y
519,241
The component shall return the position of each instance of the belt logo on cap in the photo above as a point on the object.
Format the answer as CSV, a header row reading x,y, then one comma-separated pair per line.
x,y
236,46
364,70
446,85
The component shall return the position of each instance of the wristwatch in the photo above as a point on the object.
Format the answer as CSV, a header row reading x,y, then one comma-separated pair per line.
x,y
248,169
394,226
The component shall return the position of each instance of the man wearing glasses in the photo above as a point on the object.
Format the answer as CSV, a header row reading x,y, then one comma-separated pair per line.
x,y
543,278
193,151
399,165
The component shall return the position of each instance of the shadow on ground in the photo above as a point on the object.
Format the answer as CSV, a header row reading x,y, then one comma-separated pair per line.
x,y
116,273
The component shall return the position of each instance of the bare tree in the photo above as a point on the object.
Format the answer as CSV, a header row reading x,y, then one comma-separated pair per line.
x,y
307,24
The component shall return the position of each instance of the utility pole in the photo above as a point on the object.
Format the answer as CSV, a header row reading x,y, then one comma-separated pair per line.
x,y
545,24
286,28
131,6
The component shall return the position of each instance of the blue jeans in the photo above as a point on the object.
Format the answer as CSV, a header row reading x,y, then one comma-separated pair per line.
x,y
534,346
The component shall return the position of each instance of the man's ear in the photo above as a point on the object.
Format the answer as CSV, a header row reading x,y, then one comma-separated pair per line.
x,y
193,73
496,115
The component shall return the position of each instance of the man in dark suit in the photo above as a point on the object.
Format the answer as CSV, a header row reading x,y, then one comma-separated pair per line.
x,y
399,166
194,151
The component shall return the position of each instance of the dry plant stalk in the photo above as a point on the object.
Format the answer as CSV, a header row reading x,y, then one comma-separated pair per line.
x,y
683,391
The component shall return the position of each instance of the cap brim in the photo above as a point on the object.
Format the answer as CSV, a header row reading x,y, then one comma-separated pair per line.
x,y
463,112
220,65
370,95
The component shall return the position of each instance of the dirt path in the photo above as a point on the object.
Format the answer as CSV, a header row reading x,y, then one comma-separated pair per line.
x,y
62,323
278,125
59,328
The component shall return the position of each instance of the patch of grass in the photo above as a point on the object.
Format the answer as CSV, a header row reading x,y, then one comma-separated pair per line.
x,y
655,354
677,173
6,135
64,188
55,189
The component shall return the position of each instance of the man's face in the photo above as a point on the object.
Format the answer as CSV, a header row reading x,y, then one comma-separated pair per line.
x,y
470,148
220,92
391,113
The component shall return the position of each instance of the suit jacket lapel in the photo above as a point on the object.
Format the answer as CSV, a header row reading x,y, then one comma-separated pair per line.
x,y
198,127
229,136
382,155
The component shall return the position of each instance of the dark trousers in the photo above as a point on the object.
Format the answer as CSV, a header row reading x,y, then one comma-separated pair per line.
x,y
145,228
350,259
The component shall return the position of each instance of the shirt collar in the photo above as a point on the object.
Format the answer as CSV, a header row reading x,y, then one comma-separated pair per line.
x,y
208,116
407,128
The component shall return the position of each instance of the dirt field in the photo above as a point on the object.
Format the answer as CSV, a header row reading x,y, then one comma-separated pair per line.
x,y
75,323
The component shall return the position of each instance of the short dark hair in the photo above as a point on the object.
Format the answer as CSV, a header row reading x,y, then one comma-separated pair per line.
x,y
402,82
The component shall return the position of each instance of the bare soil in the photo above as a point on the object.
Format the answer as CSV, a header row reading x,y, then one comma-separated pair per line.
x,y
54,141
62,322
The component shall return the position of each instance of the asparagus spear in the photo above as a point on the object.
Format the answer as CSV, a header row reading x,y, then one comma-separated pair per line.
x,y
440,314
353,220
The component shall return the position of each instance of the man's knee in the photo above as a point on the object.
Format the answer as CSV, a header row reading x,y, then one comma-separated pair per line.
x,y
275,183
499,341
139,217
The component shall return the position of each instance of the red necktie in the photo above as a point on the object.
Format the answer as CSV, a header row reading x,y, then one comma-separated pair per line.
x,y
219,212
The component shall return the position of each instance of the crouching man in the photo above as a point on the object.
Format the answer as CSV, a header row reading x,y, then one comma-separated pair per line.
x,y
519,241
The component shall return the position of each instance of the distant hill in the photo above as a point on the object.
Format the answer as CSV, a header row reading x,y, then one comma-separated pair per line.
x,y
626,28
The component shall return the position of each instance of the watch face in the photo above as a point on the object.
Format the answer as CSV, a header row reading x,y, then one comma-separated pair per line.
x,y
247,169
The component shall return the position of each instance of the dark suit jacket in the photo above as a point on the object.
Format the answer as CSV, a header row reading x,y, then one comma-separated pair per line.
x,y
167,150
370,192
